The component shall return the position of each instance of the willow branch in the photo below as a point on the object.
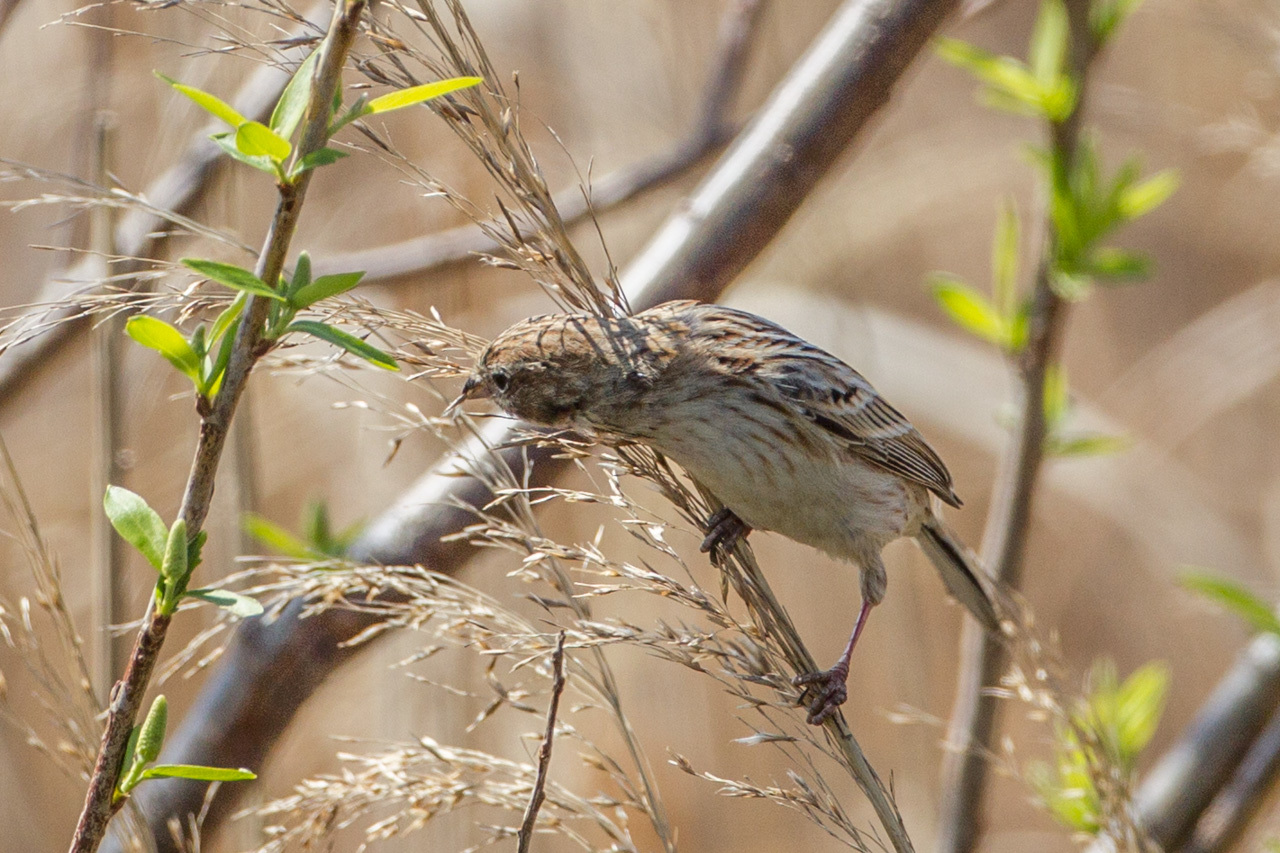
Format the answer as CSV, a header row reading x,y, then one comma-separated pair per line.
x,y
101,800
971,730
812,116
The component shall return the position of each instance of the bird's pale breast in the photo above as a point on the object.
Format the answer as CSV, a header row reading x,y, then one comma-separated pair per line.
x,y
780,473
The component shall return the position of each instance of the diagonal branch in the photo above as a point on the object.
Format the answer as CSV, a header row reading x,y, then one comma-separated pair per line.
x,y
712,130
810,119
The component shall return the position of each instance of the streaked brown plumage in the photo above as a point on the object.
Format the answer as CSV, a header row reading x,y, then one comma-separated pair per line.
x,y
787,436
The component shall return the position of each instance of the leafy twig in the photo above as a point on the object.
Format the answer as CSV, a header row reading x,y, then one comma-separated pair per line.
x,y
101,802
972,726
140,231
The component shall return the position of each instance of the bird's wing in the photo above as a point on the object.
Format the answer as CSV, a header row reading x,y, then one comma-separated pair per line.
x,y
832,395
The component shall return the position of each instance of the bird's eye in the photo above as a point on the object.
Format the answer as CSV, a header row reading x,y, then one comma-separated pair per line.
x,y
500,379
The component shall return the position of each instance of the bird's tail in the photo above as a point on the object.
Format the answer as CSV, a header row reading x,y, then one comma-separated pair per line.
x,y
965,578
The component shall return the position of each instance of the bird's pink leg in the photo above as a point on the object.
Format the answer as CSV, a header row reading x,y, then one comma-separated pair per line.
x,y
831,683
724,529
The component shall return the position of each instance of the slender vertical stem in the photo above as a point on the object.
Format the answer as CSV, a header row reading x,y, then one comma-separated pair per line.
x,y
107,659
525,835
971,730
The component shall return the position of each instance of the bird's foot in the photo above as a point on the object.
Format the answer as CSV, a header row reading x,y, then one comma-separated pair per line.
x,y
830,688
724,529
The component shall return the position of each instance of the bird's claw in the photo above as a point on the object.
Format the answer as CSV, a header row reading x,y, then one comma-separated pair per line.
x,y
724,529
831,689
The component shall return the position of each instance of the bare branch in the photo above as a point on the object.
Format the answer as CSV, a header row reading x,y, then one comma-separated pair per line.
x,y
544,751
714,128
1222,824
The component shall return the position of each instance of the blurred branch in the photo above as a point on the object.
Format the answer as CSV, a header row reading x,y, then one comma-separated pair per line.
x,y
1222,824
810,118
544,751
713,129
7,8
971,731
139,233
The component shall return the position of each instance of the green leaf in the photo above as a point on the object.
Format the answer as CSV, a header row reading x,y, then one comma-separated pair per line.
x,y
1071,286
174,566
1058,101
1105,16
318,530
1057,400
198,343
293,100
1011,85
1257,612
255,139
227,142
154,333
137,523
301,274
1004,263
226,320
213,376
359,109
346,341
235,603
1091,444
1049,42
1119,265
198,772
128,778
970,310
232,276
195,550
316,159
209,103
1139,704
1068,793
151,738
278,538
324,287
1148,195
418,94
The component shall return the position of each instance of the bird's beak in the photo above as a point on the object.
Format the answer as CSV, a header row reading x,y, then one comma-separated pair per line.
x,y
473,389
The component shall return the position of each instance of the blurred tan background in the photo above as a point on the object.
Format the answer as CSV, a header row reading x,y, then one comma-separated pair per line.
x,y
1185,364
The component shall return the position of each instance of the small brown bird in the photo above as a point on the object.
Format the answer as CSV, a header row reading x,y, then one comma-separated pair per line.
x,y
787,436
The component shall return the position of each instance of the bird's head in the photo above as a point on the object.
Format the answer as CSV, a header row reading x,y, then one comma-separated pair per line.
x,y
540,370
